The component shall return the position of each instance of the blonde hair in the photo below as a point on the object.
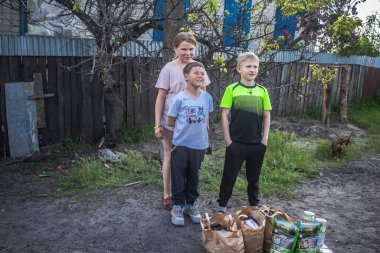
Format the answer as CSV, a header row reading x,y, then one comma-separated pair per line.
x,y
247,56
181,37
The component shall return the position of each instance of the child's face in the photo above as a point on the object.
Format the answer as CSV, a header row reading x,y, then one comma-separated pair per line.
x,y
196,77
248,70
185,51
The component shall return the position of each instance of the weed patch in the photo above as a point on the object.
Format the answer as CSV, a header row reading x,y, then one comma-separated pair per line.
x,y
138,134
92,173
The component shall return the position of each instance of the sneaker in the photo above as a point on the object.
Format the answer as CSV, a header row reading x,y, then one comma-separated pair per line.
x,y
222,210
193,212
177,215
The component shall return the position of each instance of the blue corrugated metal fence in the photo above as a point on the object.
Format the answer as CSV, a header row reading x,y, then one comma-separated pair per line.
x,y
58,46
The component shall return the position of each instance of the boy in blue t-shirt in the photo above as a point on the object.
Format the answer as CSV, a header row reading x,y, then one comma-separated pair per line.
x,y
189,114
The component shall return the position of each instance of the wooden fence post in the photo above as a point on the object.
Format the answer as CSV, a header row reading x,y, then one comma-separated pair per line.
x,y
343,96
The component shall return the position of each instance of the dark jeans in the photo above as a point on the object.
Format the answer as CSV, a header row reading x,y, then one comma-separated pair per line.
x,y
236,154
185,166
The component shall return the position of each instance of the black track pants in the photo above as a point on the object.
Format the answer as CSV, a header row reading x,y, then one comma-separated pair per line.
x,y
185,166
236,154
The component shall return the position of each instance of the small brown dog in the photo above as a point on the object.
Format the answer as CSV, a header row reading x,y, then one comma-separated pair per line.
x,y
339,145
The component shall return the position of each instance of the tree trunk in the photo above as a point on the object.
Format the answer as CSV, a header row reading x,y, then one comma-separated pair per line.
x,y
175,14
115,111
114,108
343,96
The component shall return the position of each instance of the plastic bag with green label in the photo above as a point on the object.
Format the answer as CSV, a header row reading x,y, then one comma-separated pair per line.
x,y
308,237
284,238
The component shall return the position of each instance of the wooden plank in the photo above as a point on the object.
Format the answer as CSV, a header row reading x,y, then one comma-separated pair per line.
x,y
275,93
338,80
297,98
289,90
87,109
98,109
303,89
144,80
40,104
152,91
78,89
52,120
371,81
351,81
214,89
309,89
281,91
73,91
357,94
122,88
137,88
122,78
67,97
129,94
4,78
61,98
297,89
361,83
44,137
30,66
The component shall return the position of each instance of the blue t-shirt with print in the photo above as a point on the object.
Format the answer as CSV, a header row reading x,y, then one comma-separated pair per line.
x,y
192,116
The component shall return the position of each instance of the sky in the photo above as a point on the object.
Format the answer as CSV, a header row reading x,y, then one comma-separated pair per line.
x,y
368,8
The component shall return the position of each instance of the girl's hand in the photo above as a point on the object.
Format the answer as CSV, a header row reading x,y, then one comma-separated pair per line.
x,y
159,133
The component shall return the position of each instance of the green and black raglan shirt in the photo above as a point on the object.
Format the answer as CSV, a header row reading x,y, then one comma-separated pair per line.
x,y
247,104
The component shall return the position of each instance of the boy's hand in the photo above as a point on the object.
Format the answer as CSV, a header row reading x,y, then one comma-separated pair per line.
x,y
228,143
265,142
209,150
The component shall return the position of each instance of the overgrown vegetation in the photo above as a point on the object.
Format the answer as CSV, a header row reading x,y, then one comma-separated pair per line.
x,y
137,134
130,167
73,144
288,161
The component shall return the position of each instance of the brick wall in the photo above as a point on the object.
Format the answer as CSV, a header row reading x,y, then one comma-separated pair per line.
x,y
9,19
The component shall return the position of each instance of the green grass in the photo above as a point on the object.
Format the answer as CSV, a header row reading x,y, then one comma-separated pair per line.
x,y
284,165
74,144
324,158
138,134
288,160
366,115
130,167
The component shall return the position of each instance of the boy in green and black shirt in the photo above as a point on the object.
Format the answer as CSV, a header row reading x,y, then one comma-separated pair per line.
x,y
246,136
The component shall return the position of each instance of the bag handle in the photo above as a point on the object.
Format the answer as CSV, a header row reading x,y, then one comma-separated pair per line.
x,y
207,218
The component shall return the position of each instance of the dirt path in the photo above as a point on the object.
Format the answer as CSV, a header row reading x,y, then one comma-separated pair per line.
x,y
130,219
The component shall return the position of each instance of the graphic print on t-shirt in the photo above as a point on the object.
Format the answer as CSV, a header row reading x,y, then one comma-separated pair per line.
x,y
195,114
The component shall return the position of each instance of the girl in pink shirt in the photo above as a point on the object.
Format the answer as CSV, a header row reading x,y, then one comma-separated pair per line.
x,y
170,82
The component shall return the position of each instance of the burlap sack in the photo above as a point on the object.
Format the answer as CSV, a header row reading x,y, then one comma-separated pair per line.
x,y
221,235
253,238
269,213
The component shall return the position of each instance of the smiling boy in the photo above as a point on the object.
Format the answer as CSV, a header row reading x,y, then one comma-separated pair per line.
x,y
246,135
189,115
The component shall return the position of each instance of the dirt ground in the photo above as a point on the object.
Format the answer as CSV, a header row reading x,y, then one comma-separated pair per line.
x,y
130,218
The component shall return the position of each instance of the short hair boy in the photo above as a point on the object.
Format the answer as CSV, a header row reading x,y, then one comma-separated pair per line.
x,y
189,114
246,136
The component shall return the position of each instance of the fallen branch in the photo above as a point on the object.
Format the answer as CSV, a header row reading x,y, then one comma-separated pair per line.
x,y
133,183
